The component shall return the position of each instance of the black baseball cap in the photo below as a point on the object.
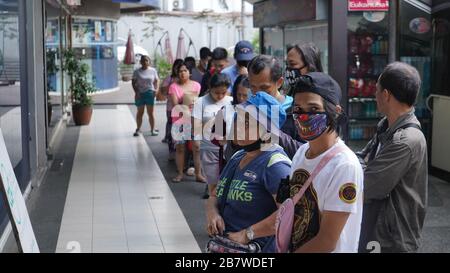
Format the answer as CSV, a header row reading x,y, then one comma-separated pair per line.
x,y
321,84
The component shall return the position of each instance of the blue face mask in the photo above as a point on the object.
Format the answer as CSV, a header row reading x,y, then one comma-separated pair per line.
x,y
311,125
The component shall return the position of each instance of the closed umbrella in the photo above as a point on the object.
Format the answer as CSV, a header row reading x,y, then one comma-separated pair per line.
x,y
129,52
181,48
168,49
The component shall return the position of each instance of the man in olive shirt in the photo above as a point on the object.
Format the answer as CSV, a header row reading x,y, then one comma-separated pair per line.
x,y
396,176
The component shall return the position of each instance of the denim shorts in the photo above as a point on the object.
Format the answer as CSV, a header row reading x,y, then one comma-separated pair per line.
x,y
147,98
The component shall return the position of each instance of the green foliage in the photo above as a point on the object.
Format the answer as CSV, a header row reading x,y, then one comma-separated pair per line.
x,y
256,43
163,67
78,72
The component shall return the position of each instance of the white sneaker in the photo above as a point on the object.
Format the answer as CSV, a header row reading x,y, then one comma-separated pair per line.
x,y
190,171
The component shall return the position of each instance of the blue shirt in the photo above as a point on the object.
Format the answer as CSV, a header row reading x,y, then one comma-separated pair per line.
x,y
233,73
250,198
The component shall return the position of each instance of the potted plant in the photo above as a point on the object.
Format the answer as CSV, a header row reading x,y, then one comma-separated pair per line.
x,y
80,88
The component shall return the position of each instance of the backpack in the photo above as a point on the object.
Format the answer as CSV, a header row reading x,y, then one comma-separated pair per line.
x,y
285,214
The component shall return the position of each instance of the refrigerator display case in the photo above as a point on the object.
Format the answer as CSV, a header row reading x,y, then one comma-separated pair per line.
x,y
368,51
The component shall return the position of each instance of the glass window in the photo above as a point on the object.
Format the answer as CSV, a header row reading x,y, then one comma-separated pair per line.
x,y
10,97
441,53
94,42
415,48
273,43
368,50
315,32
10,94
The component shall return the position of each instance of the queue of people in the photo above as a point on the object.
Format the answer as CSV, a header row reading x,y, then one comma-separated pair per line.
x,y
259,134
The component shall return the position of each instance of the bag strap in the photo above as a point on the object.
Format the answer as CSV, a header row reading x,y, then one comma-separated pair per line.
x,y
319,167
373,152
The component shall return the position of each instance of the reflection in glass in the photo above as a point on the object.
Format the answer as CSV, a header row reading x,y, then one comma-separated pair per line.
x,y
10,101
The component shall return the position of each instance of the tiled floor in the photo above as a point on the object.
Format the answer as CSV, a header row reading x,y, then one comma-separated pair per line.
x,y
118,199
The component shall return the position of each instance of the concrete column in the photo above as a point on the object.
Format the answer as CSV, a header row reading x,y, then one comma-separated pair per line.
x,y
35,85
338,47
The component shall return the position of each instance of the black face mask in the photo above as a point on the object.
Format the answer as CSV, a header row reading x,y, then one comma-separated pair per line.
x,y
292,75
252,147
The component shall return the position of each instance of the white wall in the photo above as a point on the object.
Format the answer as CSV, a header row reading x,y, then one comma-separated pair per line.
x,y
224,31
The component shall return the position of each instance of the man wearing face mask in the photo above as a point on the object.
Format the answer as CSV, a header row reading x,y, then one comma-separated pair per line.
x,y
243,54
328,216
266,75
301,59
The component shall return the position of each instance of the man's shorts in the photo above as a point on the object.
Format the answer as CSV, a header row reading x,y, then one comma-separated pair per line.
x,y
210,165
147,98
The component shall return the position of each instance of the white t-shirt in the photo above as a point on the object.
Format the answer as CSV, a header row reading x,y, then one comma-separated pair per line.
x,y
338,187
205,109
145,79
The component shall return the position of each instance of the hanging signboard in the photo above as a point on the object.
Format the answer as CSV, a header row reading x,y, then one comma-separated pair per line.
x,y
368,5
279,12
15,203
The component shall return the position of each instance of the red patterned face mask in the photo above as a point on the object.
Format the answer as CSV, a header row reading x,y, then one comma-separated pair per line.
x,y
311,125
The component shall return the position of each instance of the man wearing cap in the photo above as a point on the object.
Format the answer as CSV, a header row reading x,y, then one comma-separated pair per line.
x,y
244,198
328,216
243,54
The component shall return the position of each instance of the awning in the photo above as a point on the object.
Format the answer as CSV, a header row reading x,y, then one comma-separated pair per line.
x,y
129,6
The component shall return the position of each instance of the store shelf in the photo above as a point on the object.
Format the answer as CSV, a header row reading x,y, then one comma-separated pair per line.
x,y
361,99
362,118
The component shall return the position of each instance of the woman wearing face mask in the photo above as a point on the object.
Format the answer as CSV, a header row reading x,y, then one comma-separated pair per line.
x,y
252,176
301,59
328,216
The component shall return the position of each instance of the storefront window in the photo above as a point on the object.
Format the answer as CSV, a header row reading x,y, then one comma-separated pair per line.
x,y
415,47
310,32
368,50
10,92
94,42
10,95
273,43
441,54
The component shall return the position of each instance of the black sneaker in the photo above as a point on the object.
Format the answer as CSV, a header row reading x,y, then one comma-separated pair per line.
x,y
136,134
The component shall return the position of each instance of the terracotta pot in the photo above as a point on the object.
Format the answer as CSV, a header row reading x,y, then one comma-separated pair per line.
x,y
81,114
127,78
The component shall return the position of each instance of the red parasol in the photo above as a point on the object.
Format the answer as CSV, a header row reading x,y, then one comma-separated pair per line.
x,y
181,48
129,53
168,50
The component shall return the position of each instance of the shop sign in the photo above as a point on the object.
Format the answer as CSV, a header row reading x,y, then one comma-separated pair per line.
x,y
15,204
279,12
420,25
368,5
